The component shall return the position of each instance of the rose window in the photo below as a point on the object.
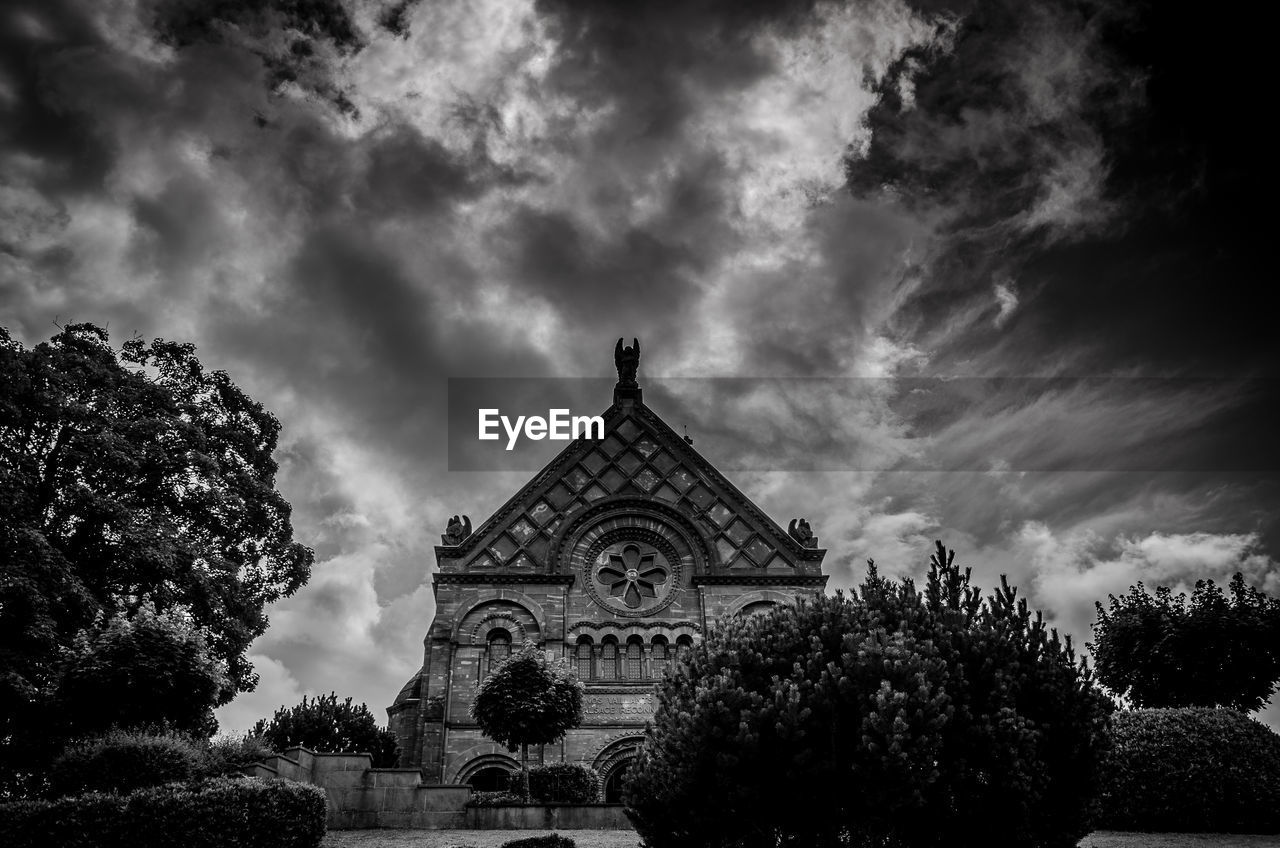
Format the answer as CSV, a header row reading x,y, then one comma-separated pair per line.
x,y
633,575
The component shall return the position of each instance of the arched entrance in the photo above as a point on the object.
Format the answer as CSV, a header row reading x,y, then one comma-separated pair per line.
x,y
612,764
490,779
613,783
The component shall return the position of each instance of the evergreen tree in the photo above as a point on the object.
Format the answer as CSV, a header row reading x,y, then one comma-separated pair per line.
x,y
889,718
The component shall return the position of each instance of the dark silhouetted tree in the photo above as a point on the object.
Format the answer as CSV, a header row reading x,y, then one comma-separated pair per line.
x,y
129,479
1165,650
892,717
530,699
326,724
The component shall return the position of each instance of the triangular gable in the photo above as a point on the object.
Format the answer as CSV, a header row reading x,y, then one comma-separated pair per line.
x,y
640,455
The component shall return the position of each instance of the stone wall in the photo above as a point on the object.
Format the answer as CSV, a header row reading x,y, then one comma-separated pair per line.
x,y
549,817
360,796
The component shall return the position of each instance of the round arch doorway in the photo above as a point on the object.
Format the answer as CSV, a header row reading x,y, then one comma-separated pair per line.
x,y
490,779
614,779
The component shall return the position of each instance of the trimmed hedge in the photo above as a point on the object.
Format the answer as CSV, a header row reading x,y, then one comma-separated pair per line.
x,y
123,761
564,783
1191,770
495,799
550,840
222,813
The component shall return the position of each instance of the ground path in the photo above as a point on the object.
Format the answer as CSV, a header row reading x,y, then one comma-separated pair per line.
x,y
627,839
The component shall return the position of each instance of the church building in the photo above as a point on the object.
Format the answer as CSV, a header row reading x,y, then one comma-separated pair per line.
x,y
619,555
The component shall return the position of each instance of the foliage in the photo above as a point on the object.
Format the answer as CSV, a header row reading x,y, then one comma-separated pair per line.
x,y
1191,770
531,699
227,754
495,799
1161,650
889,718
325,724
143,671
215,814
564,783
123,761
547,840
130,480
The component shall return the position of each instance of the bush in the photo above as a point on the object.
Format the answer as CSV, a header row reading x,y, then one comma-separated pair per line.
x,y
550,840
890,718
564,783
1191,770
495,799
331,726
122,761
215,814
228,754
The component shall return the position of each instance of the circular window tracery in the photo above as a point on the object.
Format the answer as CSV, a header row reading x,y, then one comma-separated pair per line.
x,y
630,570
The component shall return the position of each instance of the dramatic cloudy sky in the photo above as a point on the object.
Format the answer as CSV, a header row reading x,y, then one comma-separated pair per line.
x,y
1023,242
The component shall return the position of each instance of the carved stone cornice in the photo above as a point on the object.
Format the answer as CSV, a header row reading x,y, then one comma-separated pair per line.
x,y
500,577
796,580
626,625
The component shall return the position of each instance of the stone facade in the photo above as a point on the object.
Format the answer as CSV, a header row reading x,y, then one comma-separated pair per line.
x,y
619,554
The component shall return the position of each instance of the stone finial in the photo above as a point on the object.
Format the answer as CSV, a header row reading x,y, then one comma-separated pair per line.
x,y
799,530
456,531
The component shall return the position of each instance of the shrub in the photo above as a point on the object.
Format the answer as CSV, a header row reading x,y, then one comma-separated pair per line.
x,y
122,761
215,814
549,840
495,799
1191,770
890,718
228,754
326,724
564,783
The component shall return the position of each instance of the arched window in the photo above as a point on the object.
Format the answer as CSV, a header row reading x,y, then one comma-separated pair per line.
x,y
635,658
582,657
658,657
609,659
498,648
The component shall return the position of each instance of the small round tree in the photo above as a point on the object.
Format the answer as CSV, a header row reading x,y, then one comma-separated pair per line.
x,y
891,718
531,699
325,724
1161,650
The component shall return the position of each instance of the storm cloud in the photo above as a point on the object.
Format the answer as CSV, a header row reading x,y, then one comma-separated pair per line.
x,y
343,204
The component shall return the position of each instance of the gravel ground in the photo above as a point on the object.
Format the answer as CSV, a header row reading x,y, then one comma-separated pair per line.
x,y
1113,839
470,838
627,839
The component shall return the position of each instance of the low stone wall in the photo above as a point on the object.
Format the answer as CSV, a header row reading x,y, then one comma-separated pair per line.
x,y
360,796
549,817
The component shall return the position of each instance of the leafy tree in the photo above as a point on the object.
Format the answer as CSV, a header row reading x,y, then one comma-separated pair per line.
x,y
147,671
531,699
325,724
130,479
1161,650
888,718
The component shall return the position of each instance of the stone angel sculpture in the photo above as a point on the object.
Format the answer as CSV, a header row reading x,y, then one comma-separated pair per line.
x,y
456,531
627,359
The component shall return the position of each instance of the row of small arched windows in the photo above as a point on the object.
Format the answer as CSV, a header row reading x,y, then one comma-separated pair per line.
x,y
609,660
633,660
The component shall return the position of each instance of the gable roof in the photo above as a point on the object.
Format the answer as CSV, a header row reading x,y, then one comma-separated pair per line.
x,y
642,457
